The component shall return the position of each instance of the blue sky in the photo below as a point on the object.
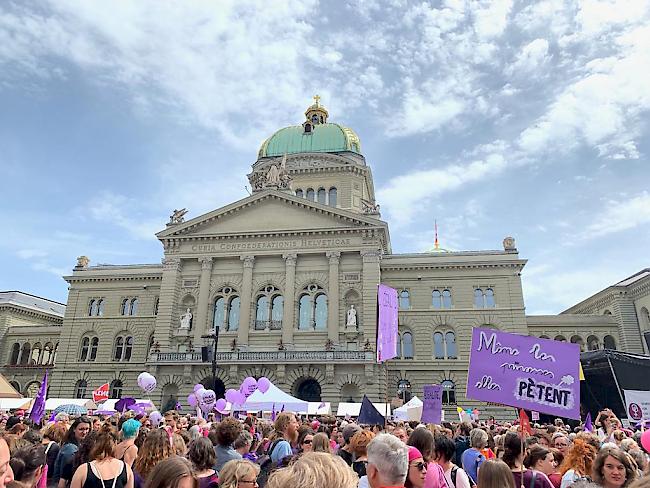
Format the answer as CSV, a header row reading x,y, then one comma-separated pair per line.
x,y
495,117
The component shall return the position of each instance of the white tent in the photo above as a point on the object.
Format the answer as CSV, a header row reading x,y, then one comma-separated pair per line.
x,y
109,404
352,409
15,403
314,408
411,410
52,403
273,399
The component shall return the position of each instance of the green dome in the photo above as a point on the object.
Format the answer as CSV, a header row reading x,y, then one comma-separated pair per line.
x,y
327,137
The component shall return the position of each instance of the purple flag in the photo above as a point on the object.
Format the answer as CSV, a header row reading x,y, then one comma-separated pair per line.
x,y
432,405
525,372
38,408
386,323
589,427
273,414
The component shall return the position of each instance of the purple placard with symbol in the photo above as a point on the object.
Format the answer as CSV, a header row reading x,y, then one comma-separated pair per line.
x,y
386,323
432,404
525,372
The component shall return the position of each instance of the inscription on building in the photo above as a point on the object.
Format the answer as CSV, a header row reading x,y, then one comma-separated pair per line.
x,y
286,244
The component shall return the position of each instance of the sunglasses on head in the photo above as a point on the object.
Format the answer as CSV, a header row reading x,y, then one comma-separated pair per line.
x,y
421,465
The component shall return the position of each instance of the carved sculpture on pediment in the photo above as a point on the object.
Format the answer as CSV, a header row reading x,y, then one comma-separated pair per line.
x,y
82,262
369,207
273,176
177,216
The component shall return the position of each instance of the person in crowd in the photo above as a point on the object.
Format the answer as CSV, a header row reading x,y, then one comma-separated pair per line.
x,y
126,450
314,470
346,450
305,441
388,462
227,432
320,443
613,468
202,456
179,444
444,452
334,438
494,473
513,456
541,459
103,469
498,445
243,443
28,465
400,433
472,458
359,444
52,437
6,473
462,440
239,473
417,471
577,462
561,443
156,447
423,440
172,472
556,476
76,433
286,429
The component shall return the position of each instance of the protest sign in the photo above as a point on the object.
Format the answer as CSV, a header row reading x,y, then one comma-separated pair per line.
x,y
637,405
534,416
386,323
432,404
101,393
525,372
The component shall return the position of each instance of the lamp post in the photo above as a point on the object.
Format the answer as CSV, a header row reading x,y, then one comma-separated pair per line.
x,y
215,342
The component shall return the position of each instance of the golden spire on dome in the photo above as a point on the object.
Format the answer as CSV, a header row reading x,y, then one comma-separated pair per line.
x,y
316,113
316,100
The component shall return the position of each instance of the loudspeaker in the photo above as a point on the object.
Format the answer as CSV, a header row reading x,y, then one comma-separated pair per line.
x,y
206,354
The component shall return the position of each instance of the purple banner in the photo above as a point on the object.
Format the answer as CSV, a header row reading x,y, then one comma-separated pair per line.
x,y
526,372
432,404
386,323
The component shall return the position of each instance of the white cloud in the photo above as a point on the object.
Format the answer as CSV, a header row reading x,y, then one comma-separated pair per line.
x,y
532,58
620,215
31,253
118,210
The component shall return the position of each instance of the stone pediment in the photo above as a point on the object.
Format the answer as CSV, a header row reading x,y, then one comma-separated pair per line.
x,y
270,212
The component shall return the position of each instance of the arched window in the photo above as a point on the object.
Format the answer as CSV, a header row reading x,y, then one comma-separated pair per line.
x,y
312,308
438,346
332,197
15,385
560,338
607,312
484,298
407,345
262,314
25,353
126,307
15,354
123,348
134,306
85,346
226,305
399,345
100,307
270,307
299,193
450,344
576,339
448,392
119,349
609,342
116,389
80,388
277,309
489,298
36,354
322,195
478,298
404,300
404,390
593,344
56,349
94,344
310,194
92,307
436,299
543,336
446,298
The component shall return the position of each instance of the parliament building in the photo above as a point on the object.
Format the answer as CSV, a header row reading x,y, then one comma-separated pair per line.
x,y
288,277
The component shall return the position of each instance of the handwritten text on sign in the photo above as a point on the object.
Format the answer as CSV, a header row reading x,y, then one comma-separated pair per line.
x,y
526,372
432,405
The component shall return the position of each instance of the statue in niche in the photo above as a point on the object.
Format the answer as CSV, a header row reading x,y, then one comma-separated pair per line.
x,y
186,320
351,317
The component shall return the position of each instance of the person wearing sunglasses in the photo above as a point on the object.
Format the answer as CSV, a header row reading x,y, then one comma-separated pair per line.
x,y
305,440
417,469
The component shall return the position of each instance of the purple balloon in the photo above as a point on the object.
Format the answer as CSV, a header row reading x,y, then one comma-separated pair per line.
x,y
155,418
263,384
148,383
191,399
231,395
198,387
240,398
220,405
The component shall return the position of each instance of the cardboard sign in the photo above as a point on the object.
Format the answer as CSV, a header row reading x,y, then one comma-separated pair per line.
x,y
637,405
534,416
525,372
432,404
386,323
101,393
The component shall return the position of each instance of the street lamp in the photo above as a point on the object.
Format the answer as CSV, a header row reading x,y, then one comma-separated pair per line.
x,y
205,355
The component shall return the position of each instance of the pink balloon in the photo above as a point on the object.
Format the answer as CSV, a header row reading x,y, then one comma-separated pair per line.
x,y
645,440
231,395
240,398
248,386
263,384
191,399
198,387
220,405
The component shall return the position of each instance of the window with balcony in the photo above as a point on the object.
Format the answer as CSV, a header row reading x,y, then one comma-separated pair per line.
x,y
89,347
226,310
123,348
448,392
312,308
36,354
15,354
269,309
25,354
484,298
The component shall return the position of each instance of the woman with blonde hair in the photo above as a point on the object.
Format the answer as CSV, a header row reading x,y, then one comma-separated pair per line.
x,y
173,472
494,473
313,470
321,443
239,473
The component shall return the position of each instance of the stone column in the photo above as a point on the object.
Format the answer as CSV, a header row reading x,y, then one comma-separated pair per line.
x,y
167,319
245,303
201,316
333,297
289,317
371,276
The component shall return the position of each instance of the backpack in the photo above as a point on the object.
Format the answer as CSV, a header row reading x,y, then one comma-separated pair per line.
x,y
266,464
454,473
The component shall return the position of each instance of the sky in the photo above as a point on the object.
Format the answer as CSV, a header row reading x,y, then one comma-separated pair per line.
x,y
497,118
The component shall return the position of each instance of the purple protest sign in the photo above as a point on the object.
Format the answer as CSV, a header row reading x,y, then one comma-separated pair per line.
x,y
432,404
386,323
526,372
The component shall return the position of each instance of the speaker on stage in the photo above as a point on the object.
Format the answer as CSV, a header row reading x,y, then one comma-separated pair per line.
x,y
206,354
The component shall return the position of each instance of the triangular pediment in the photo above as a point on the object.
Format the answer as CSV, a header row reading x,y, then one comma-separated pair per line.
x,y
270,212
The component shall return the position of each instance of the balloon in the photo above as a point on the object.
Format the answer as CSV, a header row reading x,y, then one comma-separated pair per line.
x,y
207,401
230,395
198,387
155,418
263,384
240,398
645,440
220,405
199,394
141,378
248,386
191,399
147,382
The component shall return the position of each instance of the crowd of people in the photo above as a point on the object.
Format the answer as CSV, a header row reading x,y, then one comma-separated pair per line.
x,y
186,451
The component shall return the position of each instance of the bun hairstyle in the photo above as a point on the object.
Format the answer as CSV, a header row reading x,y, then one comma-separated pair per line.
x,y
105,443
535,454
25,461
512,448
